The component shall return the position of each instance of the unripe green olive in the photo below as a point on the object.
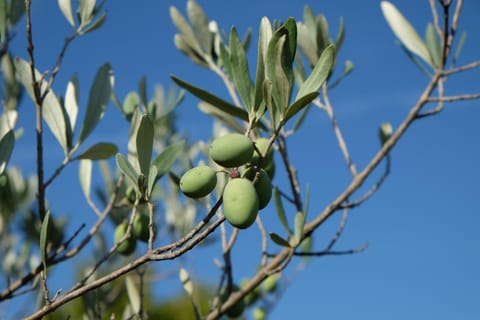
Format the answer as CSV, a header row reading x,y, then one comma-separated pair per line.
x,y
253,295
259,314
128,246
270,283
131,194
198,182
270,169
140,229
231,150
237,309
240,202
263,186
261,144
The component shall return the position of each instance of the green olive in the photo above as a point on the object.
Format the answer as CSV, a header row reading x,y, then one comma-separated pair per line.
x,y
128,246
198,182
240,202
237,309
261,144
270,283
253,295
259,314
263,186
140,229
231,150
270,169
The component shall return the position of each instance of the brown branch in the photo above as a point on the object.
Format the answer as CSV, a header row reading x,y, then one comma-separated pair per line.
x,y
373,189
473,96
466,67
291,172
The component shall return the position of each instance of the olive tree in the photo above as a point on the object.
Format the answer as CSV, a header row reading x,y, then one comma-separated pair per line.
x,y
174,195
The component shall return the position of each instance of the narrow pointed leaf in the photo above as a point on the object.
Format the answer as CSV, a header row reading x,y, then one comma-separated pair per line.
x,y
319,73
265,34
404,31
152,179
133,295
200,25
299,224
145,144
433,45
127,169
43,239
96,24
85,176
212,99
66,8
186,281
71,101
52,111
99,151
131,102
165,160
186,31
340,35
142,90
280,210
458,50
299,105
224,117
240,72
85,10
100,93
279,240
7,142
3,20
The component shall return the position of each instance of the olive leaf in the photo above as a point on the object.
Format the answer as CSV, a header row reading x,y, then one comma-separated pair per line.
x,y
71,101
239,69
133,294
85,11
458,50
186,281
280,210
66,8
212,99
165,160
85,176
319,73
144,144
43,240
405,32
279,240
200,25
7,142
52,111
128,170
100,93
99,151
299,105
299,224
433,45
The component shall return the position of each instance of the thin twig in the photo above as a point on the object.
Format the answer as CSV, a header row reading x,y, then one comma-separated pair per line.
x,y
327,107
373,189
332,253
472,96
466,67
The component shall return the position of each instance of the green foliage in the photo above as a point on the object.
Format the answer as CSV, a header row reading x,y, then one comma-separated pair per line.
x,y
270,99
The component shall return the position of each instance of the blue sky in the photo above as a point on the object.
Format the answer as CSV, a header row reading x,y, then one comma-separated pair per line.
x,y
421,227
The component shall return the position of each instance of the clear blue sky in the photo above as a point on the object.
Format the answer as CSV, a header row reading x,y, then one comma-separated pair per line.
x,y
421,227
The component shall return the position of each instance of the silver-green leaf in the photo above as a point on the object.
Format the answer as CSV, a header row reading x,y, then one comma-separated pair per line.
x,y
144,143
66,8
85,176
99,151
165,160
100,93
404,31
127,169
7,143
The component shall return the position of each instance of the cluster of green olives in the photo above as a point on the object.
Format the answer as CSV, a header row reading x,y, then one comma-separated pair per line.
x,y
140,231
244,194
